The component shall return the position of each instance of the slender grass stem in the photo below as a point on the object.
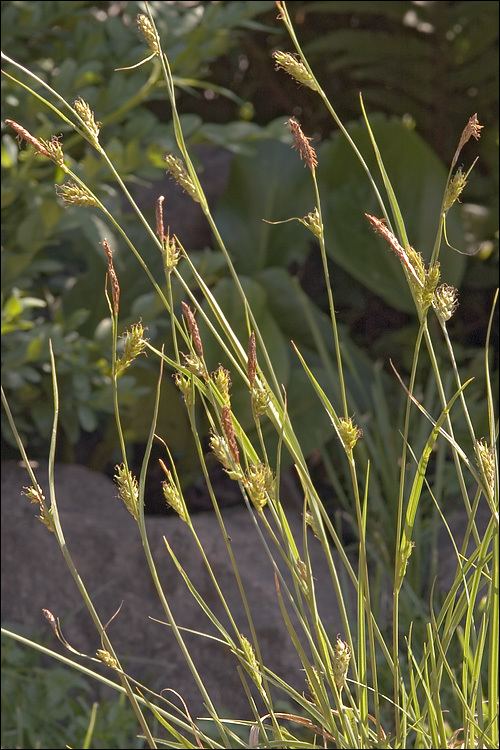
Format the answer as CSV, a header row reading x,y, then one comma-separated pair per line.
x,y
331,304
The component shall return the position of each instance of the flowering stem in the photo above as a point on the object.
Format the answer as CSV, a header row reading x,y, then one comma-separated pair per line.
x,y
331,304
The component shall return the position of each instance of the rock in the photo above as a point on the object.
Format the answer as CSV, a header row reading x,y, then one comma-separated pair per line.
x,y
103,539
457,521
104,542
182,214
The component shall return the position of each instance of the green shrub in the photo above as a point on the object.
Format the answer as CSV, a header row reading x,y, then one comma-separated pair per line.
x,y
51,707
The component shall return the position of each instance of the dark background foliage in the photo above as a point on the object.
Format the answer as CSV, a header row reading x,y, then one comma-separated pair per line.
x,y
423,69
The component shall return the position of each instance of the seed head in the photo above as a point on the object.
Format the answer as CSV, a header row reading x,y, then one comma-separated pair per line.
x,y
171,252
172,495
179,173
148,33
113,278
227,426
313,223
75,195
349,433
128,489
252,359
252,663
428,279
445,302
485,459
193,328
196,365
310,521
159,218
258,482
340,662
260,399
184,384
471,130
427,294
454,189
36,496
87,116
55,150
383,230
222,381
302,145
107,658
170,248
134,346
303,574
220,449
50,149
295,68
50,619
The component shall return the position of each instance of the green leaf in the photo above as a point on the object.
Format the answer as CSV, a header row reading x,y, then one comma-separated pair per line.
x,y
87,417
12,308
270,184
230,304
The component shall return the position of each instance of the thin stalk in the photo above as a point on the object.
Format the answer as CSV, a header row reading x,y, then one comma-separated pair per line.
x,y
363,565
442,397
172,316
74,573
230,552
62,544
331,304
399,525
458,381
331,110
206,210
146,546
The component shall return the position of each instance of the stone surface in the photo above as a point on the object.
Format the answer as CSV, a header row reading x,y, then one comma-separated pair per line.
x,y
103,540
182,214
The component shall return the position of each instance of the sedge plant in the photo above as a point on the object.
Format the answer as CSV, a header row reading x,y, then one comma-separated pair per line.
x,y
371,683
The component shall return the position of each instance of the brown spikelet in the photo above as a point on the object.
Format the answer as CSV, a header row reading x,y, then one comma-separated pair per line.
x,y
252,360
50,617
383,230
302,145
113,278
25,135
193,328
471,130
159,218
227,425
473,127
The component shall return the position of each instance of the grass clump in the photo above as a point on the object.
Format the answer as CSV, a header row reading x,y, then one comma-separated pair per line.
x,y
373,685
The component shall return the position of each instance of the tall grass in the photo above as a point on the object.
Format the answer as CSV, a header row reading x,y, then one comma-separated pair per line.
x,y
374,685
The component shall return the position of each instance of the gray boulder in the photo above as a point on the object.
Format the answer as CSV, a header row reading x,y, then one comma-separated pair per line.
x,y
103,539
